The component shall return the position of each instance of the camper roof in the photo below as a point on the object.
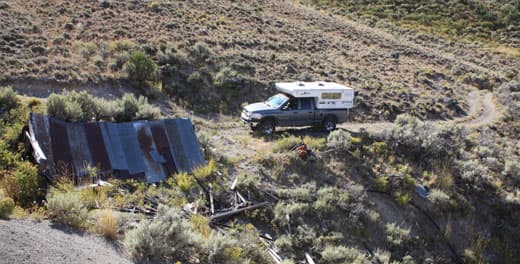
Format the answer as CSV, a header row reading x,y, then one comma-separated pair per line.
x,y
296,88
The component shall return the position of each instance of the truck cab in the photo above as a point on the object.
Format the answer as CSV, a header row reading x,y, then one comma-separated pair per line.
x,y
316,104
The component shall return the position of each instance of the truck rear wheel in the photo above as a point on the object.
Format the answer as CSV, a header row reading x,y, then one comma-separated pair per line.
x,y
329,124
267,126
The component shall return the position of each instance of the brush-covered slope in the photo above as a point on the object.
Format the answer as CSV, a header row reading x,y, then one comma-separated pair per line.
x,y
213,56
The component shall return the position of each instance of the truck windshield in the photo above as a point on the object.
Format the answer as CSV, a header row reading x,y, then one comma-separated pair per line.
x,y
277,100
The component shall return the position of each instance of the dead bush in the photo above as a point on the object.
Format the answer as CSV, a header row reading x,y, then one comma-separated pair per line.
x,y
106,224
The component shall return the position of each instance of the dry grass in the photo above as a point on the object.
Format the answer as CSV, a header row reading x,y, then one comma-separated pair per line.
x,y
106,224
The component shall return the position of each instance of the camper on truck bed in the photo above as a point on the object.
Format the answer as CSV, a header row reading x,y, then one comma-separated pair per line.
x,y
301,104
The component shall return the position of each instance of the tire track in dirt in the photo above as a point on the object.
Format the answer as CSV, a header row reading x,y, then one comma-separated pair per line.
x,y
482,111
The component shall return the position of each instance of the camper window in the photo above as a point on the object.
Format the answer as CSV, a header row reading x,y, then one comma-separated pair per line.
x,y
331,96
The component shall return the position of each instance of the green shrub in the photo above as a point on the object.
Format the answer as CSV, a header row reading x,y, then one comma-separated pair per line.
x,y
23,183
474,172
6,207
74,106
57,106
120,46
329,199
85,49
380,149
397,235
168,238
381,184
200,52
382,256
226,77
439,198
284,243
222,249
506,94
339,140
184,181
8,99
341,254
511,168
141,70
408,260
67,207
303,193
194,78
285,143
420,139
146,110
206,171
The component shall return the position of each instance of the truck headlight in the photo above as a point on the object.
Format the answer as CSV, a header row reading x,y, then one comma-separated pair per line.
x,y
256,116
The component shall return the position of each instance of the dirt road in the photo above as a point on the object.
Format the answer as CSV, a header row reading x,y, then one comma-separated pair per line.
x,y
482,111
26,241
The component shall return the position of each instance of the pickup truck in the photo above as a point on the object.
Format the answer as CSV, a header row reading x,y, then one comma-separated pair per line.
x,y
285,110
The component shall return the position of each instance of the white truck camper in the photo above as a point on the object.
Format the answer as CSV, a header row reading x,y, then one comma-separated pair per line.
x,y
328,95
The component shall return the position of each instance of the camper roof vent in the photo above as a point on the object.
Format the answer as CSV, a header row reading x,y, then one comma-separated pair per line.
x,y
301,84
321,84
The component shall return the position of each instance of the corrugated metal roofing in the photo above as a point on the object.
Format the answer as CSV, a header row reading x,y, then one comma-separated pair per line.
x,y
143,150
80,151
60,145
182,140
114,146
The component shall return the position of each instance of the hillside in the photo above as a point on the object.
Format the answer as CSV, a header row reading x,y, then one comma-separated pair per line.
x,y
231,52
426,171
495,22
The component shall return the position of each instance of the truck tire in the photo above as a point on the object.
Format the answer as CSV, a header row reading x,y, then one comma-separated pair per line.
x,y
329,124
267,126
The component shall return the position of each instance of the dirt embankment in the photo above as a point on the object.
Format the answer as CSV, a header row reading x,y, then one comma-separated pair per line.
x,y
26,241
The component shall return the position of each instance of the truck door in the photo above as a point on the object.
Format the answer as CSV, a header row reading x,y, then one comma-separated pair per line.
x,y
289,111
305,112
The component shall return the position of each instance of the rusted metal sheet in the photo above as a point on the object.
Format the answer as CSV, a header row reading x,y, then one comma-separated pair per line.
x,y
142,150
153,170
97,147
163,147
113,145
81,157
131,148
60,146
184,145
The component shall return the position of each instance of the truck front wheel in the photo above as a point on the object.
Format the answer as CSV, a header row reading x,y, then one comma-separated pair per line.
x,y
267,126
329,124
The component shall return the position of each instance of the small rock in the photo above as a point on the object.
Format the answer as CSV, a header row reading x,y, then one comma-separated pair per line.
x,y
105,4
69,26
4,5
38,50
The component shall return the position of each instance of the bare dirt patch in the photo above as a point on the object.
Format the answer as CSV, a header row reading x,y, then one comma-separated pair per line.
x,y
26,241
